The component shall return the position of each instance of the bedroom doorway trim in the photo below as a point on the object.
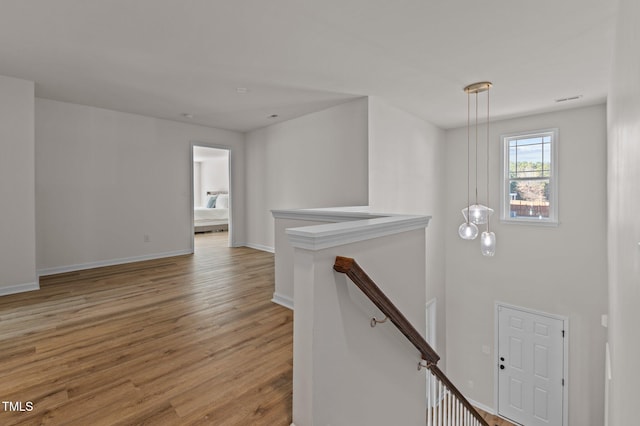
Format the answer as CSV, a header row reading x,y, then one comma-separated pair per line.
x,y
231,188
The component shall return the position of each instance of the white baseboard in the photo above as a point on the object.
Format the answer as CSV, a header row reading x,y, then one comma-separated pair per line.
x,y
483,407
19,288
260,247
281,300
111,262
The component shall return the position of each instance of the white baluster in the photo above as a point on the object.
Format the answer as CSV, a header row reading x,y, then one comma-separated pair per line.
x,y
429,393
439,403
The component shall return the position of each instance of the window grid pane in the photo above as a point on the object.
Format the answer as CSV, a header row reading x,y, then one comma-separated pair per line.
x,y
529,158
529,173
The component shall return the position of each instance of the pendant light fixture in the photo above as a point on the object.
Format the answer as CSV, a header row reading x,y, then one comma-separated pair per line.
x,y
477,214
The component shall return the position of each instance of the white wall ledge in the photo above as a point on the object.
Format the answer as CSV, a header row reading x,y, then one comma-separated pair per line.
x,y
331,214
350,225
329,348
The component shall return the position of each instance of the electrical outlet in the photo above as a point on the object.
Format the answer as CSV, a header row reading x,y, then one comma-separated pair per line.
x,y
147,238
470,384
486,350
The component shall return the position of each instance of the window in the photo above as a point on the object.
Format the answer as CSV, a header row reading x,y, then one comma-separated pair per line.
x,y
530,191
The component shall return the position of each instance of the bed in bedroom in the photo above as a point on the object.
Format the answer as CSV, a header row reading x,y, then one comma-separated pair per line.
x,y
214,215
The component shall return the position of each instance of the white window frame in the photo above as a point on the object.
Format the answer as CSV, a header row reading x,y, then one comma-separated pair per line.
x,y
505,208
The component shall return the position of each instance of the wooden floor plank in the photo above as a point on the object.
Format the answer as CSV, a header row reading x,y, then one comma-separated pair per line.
x,y
190,339
494,420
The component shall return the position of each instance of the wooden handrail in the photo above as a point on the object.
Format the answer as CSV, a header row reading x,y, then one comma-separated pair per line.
x,y
348,266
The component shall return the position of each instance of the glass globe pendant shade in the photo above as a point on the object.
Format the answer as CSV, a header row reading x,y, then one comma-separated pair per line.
x,y
477,213
488,243
468,231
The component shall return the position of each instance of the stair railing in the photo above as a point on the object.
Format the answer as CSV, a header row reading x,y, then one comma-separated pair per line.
x,y
445,403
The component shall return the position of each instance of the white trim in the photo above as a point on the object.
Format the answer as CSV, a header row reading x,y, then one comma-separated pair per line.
x,y
565,349
483,407
533,221
111,262
505,217
607,360
320,237
19,288
259,247
607,383
231,189
431,318
281,300
333,214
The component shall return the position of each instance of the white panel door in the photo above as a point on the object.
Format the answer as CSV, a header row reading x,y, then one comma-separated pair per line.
x,y
531,370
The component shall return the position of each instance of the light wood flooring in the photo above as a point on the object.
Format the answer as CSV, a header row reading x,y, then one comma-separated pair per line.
x,y
188,340
494,420
179,341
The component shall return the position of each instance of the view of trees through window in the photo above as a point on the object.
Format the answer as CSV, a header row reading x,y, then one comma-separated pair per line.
x,y
529,176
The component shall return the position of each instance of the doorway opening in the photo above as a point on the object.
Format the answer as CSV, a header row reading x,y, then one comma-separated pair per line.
x,y
211,192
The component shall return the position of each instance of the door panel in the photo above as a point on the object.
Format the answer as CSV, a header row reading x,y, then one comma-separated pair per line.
x,y
531,358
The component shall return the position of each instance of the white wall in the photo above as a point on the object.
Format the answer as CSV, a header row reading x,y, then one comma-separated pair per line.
x,y
560,270
105,179
214,175
317,160
407,175
624,226
17,187
344,371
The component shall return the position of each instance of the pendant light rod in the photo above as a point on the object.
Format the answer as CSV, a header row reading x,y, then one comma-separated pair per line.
x,y
476,143
488,146
468,154
475,88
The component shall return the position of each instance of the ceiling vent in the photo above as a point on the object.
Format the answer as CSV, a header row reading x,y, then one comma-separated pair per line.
x,y
570,98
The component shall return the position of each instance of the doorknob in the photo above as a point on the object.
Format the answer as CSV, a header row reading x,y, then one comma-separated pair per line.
x,y
501,367
501,358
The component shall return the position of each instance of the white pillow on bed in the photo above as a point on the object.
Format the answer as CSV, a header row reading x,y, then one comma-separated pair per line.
x,y
223,201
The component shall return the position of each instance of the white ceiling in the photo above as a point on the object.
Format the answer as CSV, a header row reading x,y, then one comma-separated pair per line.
x,y
163,58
